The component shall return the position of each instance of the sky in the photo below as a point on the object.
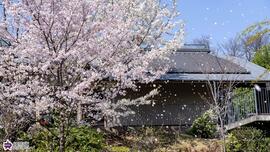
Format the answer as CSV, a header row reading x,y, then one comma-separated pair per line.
x,y
220,19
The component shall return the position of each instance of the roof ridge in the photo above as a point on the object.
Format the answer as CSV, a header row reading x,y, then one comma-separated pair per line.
x,y
194,48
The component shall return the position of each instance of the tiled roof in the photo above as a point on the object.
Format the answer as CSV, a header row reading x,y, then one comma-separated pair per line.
x,y
198,64
202,63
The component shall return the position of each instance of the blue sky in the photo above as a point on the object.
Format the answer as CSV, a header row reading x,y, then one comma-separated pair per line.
x,y
221,19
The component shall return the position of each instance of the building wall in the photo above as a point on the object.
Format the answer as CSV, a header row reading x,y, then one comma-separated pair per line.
x,y
176,104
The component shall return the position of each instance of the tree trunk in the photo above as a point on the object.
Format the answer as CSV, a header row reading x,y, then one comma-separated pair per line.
x,y
222,134
79,113
62,136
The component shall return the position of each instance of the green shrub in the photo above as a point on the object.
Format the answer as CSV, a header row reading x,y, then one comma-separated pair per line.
x,y
233,144
81,138
204,126
85,139
247,139
262,57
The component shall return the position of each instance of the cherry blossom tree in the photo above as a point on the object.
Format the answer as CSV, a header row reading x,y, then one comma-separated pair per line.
x,y
65,54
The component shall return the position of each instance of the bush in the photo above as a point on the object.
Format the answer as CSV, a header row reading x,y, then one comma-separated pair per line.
x,y
262,57
85,139
247,139
204,126
81,138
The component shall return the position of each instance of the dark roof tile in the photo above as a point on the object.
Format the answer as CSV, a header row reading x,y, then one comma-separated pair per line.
x,y
202,62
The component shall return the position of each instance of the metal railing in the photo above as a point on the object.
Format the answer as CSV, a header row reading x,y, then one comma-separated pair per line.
x,y
247,104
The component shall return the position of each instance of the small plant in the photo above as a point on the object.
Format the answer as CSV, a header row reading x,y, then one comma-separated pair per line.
x,y
247,139
204,126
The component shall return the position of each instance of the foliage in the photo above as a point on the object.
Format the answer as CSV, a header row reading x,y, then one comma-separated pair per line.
x,y
262,57
254,38
81,138
247,139
257,30
204,126
243,101
232,143
85,139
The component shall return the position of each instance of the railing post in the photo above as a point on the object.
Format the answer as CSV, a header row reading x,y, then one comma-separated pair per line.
x,y
255,101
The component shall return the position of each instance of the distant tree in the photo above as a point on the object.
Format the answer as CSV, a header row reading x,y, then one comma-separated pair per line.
x,y
204,39
250,47
232,47
257,31
255,37
240,46
262,57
